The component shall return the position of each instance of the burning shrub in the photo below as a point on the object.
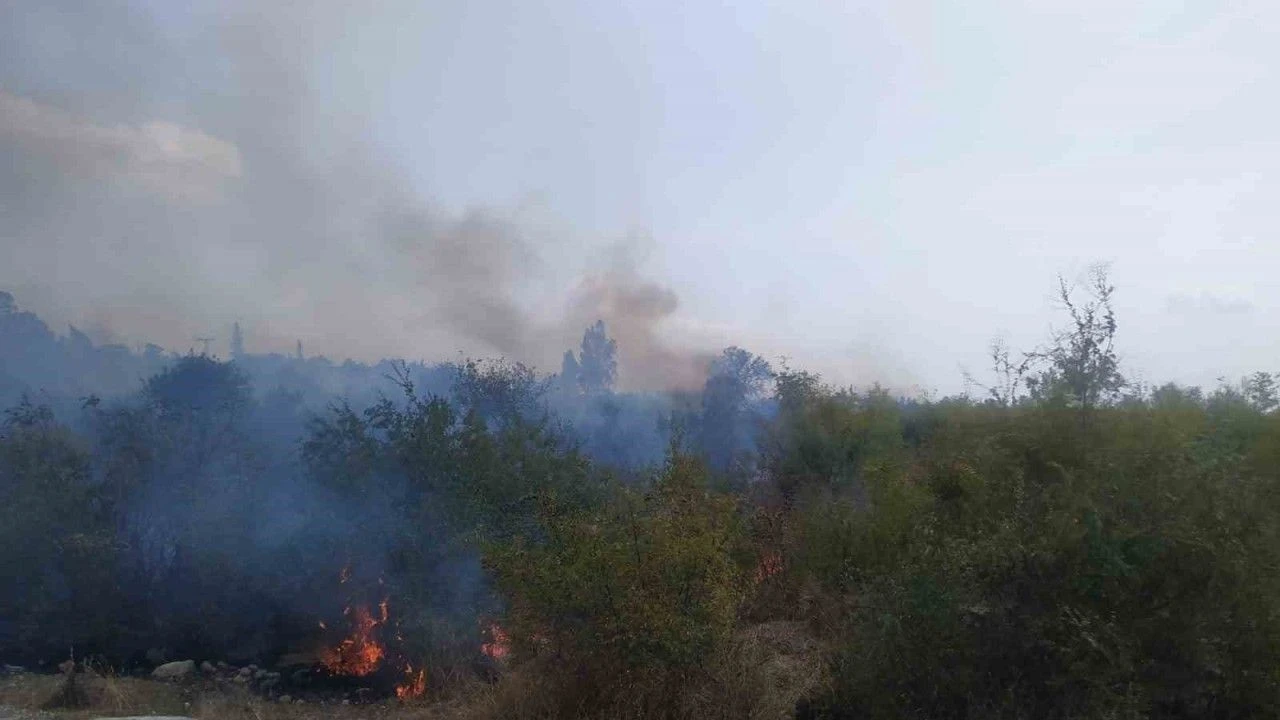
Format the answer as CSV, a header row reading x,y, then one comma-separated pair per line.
x,y
360,653
645,584
422,479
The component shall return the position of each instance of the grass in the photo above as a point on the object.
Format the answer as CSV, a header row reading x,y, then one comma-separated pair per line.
x,y
111,695
106,695
759,676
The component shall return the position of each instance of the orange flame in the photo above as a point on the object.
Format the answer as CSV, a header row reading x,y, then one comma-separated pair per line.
x,y
360,653
415,684
499,646
770,565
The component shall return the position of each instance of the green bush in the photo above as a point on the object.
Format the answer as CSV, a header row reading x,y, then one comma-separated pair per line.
x,y
643,586
1128,568
58,558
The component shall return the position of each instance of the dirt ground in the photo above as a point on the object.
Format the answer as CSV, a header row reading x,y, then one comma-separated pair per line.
x,y
770,667
25,696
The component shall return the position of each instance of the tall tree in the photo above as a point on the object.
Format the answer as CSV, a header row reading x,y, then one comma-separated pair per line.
x,y
1083,367
570,373
737,381
598,361
1260,391
237,342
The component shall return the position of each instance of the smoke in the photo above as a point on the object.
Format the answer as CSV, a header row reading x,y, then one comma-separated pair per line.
x,y
633,309
163,175
161,157
167,176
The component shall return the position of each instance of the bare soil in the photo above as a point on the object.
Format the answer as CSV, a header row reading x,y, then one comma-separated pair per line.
x,y
24,697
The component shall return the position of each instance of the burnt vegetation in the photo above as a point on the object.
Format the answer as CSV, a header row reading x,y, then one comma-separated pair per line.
x,y
1061,544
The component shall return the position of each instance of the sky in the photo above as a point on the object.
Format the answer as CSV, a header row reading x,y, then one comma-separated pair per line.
x,y
874,191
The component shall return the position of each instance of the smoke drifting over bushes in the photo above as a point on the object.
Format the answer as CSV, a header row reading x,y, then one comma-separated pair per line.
x,y
164,179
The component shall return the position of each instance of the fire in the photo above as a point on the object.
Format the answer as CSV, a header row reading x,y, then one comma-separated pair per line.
x,y
770,565
360,653
499,646
415,684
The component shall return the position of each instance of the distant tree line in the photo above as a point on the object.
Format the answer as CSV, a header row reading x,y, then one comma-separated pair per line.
x,y
1069,544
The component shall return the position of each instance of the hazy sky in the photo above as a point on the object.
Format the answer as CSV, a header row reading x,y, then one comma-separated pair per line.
x,y
874,189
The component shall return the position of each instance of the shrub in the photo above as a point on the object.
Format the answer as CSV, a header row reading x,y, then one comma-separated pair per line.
x,y
57,554
638,592
1128,568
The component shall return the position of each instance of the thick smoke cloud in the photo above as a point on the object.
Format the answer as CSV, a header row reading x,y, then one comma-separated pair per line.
x,y
168,159
168,176
634,309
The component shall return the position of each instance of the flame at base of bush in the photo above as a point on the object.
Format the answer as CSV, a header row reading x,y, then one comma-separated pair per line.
x,y
415,684
360,653
770,565
499,645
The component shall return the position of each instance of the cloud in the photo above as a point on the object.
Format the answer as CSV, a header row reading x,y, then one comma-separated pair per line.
x,y
1207,303
161,157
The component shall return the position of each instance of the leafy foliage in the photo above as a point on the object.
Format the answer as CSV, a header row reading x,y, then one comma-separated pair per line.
x,y
1083,367
1069,546
1033,568
729,422
56,535
595,370
645,582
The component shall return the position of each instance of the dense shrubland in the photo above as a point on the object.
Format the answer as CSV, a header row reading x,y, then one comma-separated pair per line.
x,y
1068,545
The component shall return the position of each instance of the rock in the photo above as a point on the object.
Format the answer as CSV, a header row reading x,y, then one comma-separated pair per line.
x,y
260,674
176,670
245,672
222,665
207,668
11,670
286,698
241,679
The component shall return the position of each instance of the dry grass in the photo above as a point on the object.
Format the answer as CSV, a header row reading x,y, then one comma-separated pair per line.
x,y
759,676
111,695
106,694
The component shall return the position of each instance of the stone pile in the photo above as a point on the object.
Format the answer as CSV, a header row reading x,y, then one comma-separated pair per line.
x,y
259,680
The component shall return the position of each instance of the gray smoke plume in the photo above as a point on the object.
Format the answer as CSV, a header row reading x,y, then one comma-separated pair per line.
x,y
161,178
633,310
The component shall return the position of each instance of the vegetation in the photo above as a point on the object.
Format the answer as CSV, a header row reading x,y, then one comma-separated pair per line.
x,y
1067,546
